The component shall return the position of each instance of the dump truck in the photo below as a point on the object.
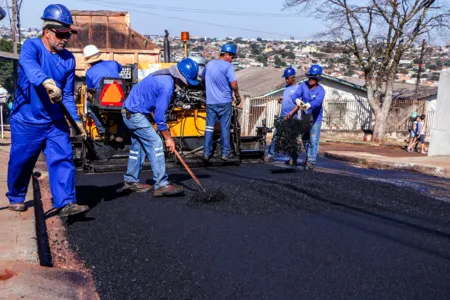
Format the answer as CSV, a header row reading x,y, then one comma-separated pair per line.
x,y
186,119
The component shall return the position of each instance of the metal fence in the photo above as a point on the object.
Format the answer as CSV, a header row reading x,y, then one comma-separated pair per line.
x,y
338,114
258,111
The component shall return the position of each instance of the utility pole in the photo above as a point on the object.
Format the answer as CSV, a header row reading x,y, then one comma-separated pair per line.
x,y
14,25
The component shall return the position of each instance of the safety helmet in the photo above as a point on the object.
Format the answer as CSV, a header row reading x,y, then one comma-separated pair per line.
x,y
58,13
90,50
189,69
91,54
315,72
201,63
229,48
288,72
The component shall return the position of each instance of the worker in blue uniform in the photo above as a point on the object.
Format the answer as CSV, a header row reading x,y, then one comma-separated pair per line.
x,y
99,69
309,97
152,95
289,108
46,76
220,81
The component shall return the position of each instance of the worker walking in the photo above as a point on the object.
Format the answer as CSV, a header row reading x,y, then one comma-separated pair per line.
x,y
46,76
98,69
289,108
309,97
220,81
152,95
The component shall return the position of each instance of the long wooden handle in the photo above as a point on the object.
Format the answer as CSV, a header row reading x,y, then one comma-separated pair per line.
x,y
189,170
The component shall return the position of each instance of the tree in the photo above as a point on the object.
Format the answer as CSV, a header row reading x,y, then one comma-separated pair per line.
x,y
7,66
279,62
395,25
259,39
289,55
255,49
262,58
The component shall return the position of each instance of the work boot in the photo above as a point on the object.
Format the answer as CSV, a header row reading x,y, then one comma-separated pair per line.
x,y
309,166
169,190
19,207
137,187
225,158
72,209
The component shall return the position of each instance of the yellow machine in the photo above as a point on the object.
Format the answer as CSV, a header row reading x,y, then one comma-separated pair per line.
x,y
186,120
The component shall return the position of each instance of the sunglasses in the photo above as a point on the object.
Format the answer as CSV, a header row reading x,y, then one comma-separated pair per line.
x,y
62,35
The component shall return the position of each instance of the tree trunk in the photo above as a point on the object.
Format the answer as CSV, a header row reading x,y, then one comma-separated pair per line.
x,y
379,131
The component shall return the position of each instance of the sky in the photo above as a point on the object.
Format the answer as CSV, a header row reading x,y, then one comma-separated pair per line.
x,y
154,16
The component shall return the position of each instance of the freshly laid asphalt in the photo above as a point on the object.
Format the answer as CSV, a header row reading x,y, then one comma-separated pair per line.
x,y
263,232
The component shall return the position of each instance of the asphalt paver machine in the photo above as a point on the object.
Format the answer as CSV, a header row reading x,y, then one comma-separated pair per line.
x,y
186,120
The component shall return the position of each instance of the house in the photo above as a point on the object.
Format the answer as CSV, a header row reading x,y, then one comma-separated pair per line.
x,y
346,107
111,32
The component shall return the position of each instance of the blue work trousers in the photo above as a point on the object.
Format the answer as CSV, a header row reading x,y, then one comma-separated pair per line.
x,y
93,113
27,142
145,142
313,146
221,112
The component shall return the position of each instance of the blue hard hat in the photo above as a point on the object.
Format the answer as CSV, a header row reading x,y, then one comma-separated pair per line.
x,y
315,72
189,69
229,48
58,13
288,72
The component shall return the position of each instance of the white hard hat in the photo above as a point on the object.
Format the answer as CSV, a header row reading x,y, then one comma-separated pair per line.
x,y
91,54
90,50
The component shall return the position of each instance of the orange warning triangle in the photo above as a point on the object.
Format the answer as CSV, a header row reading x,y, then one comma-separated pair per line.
x,y
112,93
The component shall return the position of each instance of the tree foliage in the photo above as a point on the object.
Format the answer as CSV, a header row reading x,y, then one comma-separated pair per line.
x,y
377,33
7,66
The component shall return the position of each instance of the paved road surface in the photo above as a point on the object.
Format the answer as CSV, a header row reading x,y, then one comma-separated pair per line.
x,y
330,234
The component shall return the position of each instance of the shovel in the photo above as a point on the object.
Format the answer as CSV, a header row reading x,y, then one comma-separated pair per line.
x,y
189,170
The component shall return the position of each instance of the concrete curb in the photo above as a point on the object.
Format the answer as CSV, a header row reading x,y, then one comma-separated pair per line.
x,y
370,144
378,164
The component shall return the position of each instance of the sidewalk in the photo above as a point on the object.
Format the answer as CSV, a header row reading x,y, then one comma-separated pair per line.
x,y
21,276
388,158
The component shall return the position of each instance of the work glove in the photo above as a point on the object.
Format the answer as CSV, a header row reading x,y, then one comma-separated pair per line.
x,y
299,103
306,106
53,91
81,127
238,100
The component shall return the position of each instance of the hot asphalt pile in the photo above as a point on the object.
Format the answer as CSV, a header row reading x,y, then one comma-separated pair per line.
x,y
260,235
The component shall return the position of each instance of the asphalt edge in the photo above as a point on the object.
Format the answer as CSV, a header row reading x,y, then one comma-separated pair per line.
x,y
42,239
85,289
383,165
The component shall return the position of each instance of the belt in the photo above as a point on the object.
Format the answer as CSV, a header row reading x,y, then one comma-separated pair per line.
x,y
126,112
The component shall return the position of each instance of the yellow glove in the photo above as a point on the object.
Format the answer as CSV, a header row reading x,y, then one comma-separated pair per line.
x,y
81,127
53,91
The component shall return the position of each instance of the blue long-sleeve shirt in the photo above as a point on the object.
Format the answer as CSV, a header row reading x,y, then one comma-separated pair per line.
x,y
102,69
314,97
288,103
152,94
36,64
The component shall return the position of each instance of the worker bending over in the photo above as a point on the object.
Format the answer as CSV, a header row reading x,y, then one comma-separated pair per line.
x,y
289,108
99,69
46,76
152,95
220,81
309,97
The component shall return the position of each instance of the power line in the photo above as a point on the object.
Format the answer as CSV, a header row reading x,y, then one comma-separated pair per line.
x,y
187,20
203,11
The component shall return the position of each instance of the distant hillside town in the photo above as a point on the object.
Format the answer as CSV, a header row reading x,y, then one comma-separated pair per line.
x,y
259,52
